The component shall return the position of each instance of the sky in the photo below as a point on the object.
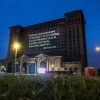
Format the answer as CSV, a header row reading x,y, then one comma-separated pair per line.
x,y
28,12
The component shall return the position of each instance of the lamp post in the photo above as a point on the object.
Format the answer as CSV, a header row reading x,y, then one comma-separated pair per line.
x,y
16,47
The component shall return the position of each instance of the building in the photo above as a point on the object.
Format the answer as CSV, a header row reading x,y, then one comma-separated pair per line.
x,y
63,37
32,65
43,63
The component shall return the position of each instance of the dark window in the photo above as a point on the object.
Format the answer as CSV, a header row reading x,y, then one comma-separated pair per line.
x,y
75,69
65,68
70,69
77,29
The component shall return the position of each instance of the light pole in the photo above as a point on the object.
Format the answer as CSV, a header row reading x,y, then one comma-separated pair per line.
x,y
16,47
98,51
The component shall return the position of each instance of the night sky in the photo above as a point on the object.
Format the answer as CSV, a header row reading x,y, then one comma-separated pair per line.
x,y
28,12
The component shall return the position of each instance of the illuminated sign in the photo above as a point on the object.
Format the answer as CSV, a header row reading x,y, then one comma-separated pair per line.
x,y
43,39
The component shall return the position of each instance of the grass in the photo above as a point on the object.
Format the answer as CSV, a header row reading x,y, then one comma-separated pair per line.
x,y
62,87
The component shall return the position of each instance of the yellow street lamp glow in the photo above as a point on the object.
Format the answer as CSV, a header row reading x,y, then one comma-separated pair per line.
x,y
16,45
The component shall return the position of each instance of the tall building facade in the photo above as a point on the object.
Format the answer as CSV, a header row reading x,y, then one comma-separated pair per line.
x,y
62,37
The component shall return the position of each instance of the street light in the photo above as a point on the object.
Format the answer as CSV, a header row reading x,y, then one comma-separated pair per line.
x,y
16,46
97,49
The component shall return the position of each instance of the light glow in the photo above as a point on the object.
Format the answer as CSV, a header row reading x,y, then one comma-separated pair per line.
x,y
52,66
97,49
41,70
16,45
